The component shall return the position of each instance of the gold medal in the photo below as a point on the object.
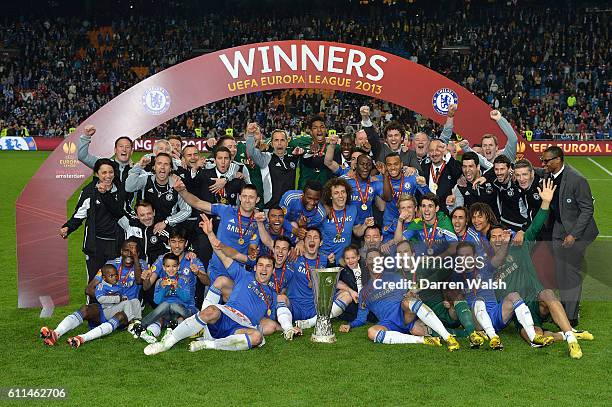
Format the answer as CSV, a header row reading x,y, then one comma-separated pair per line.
x,y
430,251
434,188
269,312
223,201
338,236
364,207
240,240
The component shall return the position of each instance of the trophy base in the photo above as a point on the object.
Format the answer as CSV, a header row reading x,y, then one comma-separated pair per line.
x,y
323,338
323,331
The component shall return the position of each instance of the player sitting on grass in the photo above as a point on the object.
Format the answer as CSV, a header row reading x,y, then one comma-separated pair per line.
x,y
491,314
401,319
230,326
281,274
174,292
113,310
449,305
516,269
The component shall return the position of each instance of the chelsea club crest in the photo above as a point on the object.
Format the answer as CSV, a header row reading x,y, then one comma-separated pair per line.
x,y
442,99
156,100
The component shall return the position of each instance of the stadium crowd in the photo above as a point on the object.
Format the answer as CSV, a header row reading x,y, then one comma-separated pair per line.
x,y
223,248
545,68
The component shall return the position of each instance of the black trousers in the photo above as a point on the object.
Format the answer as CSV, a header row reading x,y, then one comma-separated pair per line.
x,y
568,271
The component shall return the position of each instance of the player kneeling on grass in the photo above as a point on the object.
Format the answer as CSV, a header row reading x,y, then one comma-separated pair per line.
x,y
174,294
493,315
402,318
112,311
229,326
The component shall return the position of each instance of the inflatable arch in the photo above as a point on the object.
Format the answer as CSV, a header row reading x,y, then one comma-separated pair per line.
x,y
41,208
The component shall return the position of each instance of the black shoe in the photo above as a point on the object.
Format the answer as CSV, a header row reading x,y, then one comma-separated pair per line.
x,y
172,324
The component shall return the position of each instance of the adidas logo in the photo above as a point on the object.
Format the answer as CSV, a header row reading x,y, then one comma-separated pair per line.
x,y
150,190
232,221
278,164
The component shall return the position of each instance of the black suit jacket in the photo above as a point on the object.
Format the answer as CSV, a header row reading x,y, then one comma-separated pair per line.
x,y
448,179
576,208
347,276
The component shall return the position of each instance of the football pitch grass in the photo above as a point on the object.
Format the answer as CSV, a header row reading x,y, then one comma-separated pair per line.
x,y
352,372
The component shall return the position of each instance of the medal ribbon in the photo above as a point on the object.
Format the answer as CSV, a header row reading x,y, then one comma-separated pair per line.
x,y
433,177
430,239
339,228
322,150
367,190
308,267
240,231
265,296
276,284
401,188
221,193
124,279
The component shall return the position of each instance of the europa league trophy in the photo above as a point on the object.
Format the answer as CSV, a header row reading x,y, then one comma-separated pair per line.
x,y
323,288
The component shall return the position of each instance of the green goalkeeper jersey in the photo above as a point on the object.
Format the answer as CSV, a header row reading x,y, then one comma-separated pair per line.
x,y
311,165
518,271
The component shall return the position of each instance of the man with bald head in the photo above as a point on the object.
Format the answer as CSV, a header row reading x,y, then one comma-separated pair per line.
x,y
441,175
421,147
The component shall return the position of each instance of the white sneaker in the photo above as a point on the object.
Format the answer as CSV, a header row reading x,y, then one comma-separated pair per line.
x,y
168,332
155,348
148,337
195,346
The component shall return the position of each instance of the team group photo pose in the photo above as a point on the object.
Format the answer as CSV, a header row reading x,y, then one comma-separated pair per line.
x,y
309,182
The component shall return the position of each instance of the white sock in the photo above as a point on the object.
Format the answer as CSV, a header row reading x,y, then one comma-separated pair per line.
x,y
283,316
188,327
154,329
70,322
233,342
394,337
426,315
569,337
338,308
524,317
309,323
100,330
483,318
213,296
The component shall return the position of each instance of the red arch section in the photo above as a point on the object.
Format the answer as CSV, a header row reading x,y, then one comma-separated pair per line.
x,y
41,208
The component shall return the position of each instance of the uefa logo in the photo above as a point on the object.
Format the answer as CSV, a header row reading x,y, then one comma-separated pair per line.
x,y
156,100
69,147
442,99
